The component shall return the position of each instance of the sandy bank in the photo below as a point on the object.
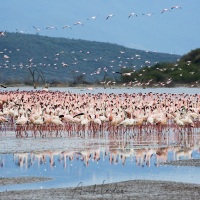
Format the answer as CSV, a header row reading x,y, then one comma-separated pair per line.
x,y
21,180
190,162
136,189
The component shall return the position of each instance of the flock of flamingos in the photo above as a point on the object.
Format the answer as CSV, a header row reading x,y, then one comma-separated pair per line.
x,y
52,113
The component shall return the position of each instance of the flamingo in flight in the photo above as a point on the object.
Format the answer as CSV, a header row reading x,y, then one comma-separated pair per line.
x,y
51,27
2,33
176,7
37,29
110,15
165,10
66,26
78,23
148,14
92,18
132,14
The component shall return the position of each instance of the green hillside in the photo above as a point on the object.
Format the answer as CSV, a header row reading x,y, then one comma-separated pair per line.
x,y
184,71
61,60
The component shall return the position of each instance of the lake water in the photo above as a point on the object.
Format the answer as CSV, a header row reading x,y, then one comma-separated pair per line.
x,y
178,90
111,159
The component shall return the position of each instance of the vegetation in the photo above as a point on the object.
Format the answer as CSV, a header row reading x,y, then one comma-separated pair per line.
x,y
29,59
184,71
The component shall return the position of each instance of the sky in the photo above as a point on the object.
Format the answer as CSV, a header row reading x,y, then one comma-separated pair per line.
x,y
175,31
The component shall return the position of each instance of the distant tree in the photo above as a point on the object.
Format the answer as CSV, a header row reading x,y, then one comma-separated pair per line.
x,y
80,79
36,75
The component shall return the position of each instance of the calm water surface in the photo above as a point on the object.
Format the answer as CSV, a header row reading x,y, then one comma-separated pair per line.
x,y
119,159
95,90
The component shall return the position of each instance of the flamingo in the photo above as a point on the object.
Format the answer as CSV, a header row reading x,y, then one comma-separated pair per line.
x,y
110,15
22,120
2,33
187,121
178,121
115,119
37,29
97,120
3,119
148,14
132,14
78,23
165,10
176,7
51,27
92,18
67,26
103,118
39,121
56,121
84,120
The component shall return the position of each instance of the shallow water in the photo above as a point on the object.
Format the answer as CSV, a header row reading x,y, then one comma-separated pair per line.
x,y
113,160
117,90
94,160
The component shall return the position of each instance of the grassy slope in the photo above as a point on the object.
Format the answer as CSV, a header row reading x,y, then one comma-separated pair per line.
x,y
95,59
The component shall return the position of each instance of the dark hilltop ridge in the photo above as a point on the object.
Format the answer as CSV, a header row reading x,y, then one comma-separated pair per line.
x,y
28,59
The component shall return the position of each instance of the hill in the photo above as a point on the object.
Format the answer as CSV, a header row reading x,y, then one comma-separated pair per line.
x,y
61,60
186,70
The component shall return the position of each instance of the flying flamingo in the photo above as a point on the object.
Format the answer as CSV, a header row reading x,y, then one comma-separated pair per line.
x,y
78,23
132,14
165,10
92,18
67,26
176,7
2,33
37,29
110,15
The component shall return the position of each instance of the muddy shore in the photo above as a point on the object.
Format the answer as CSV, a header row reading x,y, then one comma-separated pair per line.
x,y
137,189
21,180
190,162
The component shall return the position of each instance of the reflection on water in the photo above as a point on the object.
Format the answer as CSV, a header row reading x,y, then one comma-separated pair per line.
x,y
119,158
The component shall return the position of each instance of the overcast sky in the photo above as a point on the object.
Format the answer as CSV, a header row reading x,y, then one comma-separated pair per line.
x,y
174,31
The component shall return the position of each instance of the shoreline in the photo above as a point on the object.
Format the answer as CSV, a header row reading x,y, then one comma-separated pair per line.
x,y
190,162
133,189
21,180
